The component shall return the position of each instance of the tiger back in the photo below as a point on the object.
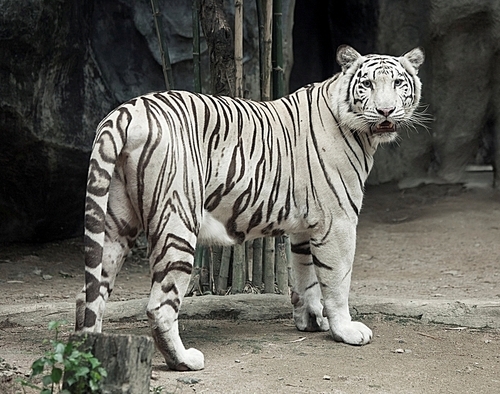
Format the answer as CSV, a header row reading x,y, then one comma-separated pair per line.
x,y
188,168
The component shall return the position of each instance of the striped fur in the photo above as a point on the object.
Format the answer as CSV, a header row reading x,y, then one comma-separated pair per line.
x,y
189,168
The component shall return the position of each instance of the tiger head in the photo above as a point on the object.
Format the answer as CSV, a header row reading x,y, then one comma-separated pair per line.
x,y
381,92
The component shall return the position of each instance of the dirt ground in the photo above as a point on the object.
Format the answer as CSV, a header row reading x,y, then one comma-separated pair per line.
x,y
431,242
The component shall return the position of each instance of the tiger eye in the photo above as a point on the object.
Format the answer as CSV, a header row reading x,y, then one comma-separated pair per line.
x,y
367,84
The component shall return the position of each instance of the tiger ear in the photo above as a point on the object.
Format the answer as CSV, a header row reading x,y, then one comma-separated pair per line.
x,y
415,57
346,56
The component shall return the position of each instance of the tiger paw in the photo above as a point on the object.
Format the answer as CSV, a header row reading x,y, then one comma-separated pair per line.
x,y
193,360
308,314
352,333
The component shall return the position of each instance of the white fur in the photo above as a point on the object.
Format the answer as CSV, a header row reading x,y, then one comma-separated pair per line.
x,y
213,231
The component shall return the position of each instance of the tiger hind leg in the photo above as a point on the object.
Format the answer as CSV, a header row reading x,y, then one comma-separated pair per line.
x,y
306,293
171,260
122,228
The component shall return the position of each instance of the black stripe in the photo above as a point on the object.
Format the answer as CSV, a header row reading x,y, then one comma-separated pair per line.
x,y
319,264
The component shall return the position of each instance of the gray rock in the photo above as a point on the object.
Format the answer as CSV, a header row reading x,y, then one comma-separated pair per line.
x,y
64,66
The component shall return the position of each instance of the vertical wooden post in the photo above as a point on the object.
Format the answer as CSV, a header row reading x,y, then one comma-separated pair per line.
x,y
126,359
220,46
278,70
196,46
165,58
249,264
238,277
281,266
264,10
257,263
224,271
269,265
238,46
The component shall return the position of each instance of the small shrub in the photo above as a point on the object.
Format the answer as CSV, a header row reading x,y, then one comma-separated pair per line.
x,y
80,371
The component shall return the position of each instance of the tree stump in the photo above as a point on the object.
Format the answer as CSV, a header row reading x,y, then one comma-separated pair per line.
x,y
126,358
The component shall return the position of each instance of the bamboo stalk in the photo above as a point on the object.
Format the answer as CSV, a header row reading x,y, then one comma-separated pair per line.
x,y
196,46
238,277
264,13
249,262
269,265
281,266
224,271
165,58
288,254
238,46
257,263
278,71
205,269
216,256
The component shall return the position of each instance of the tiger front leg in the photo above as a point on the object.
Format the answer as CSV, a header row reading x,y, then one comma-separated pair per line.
x,y
171,267
333,258
306,292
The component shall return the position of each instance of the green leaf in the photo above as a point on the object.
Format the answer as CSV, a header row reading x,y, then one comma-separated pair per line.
x,y
47,380
59,347
38,366
82,371
56,375
24,382
94,362
46,391
93,385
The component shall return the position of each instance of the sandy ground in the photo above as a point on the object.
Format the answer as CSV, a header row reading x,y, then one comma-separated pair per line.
x,y
427,243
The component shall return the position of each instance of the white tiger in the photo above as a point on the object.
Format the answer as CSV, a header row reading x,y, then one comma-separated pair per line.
x,y
187,167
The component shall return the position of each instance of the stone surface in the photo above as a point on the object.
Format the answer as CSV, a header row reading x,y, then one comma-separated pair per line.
x,y
66,64
460,76
244,307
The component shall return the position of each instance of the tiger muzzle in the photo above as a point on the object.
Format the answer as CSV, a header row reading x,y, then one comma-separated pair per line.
x,y
384,127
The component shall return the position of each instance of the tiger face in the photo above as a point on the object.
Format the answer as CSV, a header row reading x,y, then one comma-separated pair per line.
x,y
382,92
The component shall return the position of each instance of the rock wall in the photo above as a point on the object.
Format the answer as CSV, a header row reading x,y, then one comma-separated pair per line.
x,y
460,76
64,65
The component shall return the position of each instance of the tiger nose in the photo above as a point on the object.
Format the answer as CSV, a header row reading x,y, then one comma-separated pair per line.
x,y
385,111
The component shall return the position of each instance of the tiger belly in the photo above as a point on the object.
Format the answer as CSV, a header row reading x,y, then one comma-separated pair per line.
x,y
213,232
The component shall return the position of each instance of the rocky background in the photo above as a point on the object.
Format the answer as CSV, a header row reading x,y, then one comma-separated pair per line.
x,y
65,64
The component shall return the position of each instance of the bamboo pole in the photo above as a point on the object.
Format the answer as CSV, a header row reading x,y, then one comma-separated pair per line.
x,y
224,271
281,266
196,46
238,277
165,58
249,262
264,12
269,265
257,263
278,70
206,265
238,46
288,254
265,16
215,263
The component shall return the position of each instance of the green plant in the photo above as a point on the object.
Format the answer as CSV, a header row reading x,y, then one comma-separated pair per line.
x,y
70,370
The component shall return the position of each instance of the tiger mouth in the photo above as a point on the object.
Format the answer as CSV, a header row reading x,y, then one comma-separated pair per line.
x,y
384,127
